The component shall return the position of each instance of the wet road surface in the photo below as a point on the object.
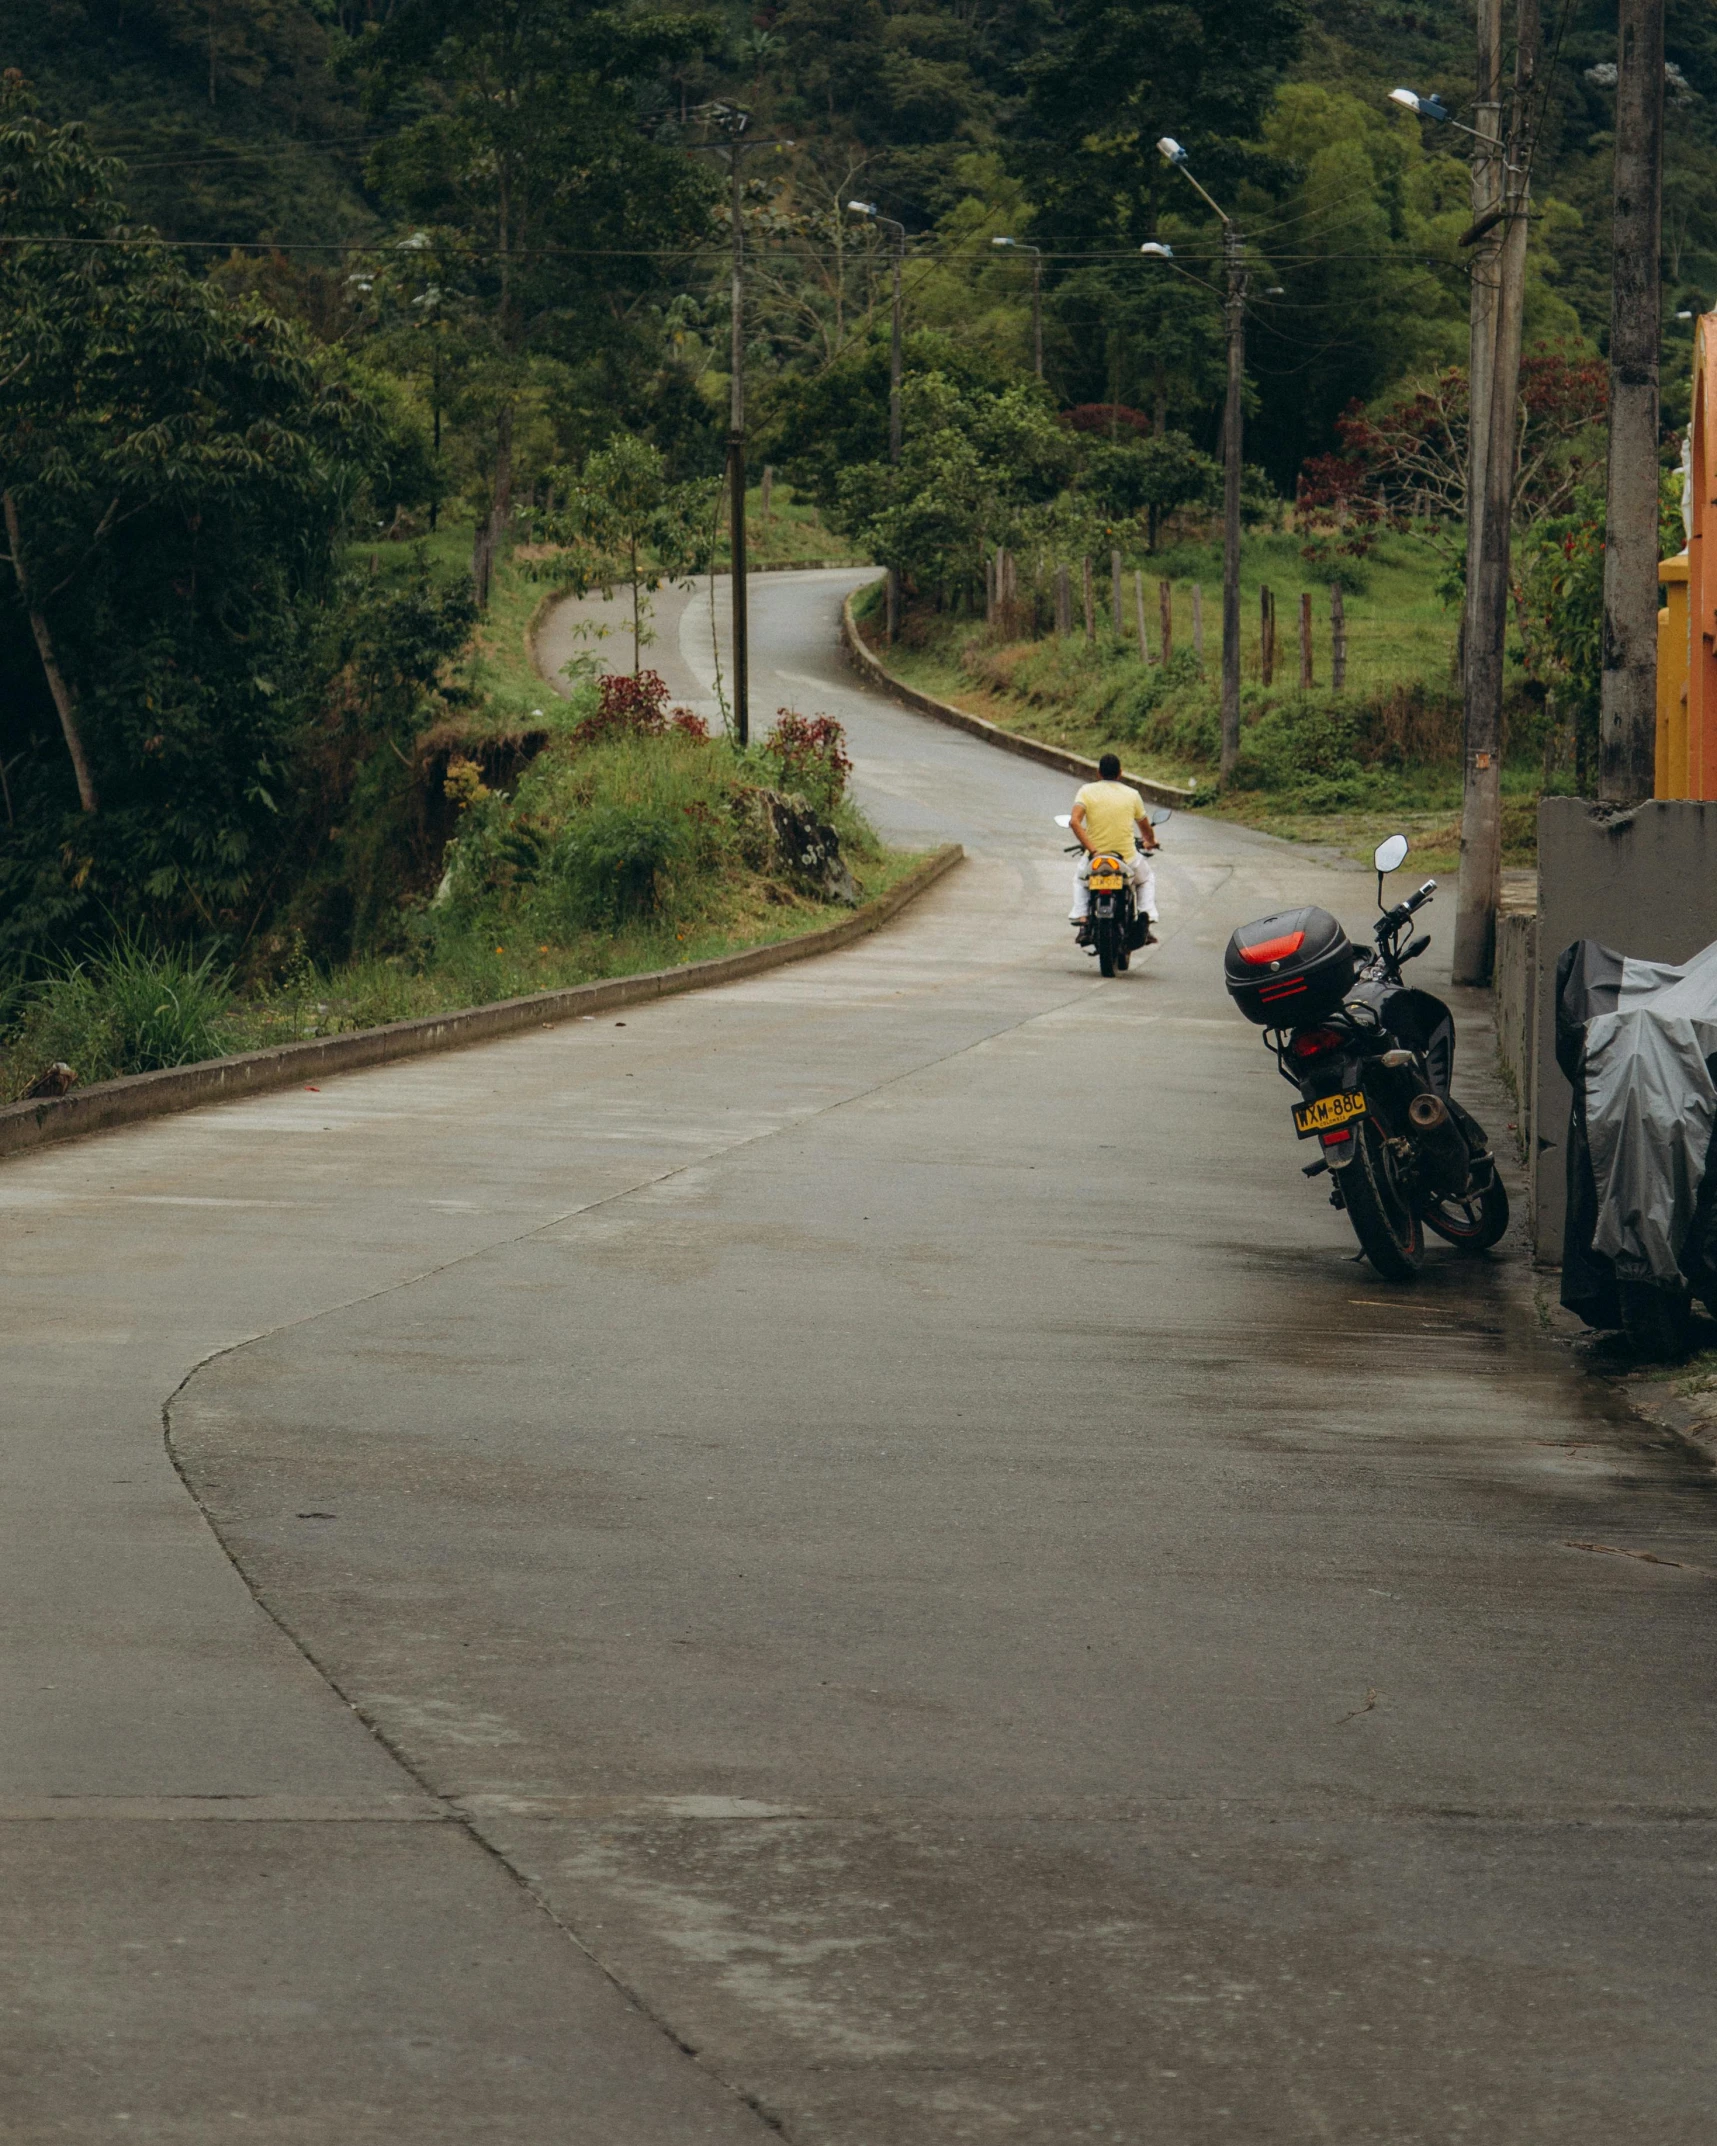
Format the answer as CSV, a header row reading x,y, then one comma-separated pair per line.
x,y
883,1499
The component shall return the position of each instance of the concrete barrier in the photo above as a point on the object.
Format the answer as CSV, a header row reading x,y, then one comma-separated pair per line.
x,y
1643,881
943,711
220,1080
1516,988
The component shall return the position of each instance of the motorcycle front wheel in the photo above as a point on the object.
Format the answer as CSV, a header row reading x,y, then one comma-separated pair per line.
x,y
1387,1228
1107,933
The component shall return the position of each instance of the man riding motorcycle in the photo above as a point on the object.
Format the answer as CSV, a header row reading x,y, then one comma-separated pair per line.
x,y
1109,820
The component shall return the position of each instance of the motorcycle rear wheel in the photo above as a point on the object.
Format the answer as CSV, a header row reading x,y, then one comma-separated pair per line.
x,y
1387,1228
1473,1224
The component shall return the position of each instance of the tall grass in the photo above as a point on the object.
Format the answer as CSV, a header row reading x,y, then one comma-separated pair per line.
x,y
135,1008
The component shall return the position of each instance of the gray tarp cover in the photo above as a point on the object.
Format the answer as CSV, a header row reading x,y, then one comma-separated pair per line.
x,y
1650,1101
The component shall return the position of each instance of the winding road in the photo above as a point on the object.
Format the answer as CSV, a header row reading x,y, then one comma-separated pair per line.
x,y
848,1556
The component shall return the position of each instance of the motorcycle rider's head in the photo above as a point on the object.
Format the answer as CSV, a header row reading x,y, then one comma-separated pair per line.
x,y
1109,767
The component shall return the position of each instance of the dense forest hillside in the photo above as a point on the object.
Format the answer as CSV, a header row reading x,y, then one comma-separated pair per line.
x,y
459,268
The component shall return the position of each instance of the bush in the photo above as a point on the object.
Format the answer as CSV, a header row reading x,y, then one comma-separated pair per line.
x,y
134,1009
809,756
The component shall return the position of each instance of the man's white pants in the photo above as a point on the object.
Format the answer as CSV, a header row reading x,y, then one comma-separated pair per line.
x,y
1138,868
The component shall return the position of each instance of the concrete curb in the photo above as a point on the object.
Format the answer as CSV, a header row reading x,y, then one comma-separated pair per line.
x,y
24,1126
1154,793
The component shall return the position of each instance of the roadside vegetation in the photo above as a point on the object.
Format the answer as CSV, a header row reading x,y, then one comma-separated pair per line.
x,y
338,339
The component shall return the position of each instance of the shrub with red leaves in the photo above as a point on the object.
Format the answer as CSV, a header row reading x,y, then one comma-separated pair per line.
x,y
687,724
626,707
811,753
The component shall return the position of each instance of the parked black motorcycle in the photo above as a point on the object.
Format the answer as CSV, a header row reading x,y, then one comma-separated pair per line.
x,y
1373,1059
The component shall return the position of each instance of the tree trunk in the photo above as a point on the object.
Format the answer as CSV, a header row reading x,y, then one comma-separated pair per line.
x,y
58,685
1627,723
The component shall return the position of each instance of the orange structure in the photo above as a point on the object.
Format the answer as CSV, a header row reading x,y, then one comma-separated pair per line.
x,y
1687,625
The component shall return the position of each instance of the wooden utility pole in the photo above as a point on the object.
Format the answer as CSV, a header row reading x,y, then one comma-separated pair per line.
x,y
1486,615
1234,313
1627,714
736,457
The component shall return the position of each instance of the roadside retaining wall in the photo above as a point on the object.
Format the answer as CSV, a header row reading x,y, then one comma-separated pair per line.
x,y
1153,792
221,1080
1516,988
1641,881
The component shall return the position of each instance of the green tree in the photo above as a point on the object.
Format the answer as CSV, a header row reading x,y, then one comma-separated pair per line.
x,y
545,200
625,509
176,474
973,466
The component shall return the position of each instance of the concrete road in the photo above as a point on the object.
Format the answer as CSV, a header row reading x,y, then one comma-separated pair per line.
x,y
852,1553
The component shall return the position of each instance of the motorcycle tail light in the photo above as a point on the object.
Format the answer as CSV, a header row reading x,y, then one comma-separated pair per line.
x,y
1310,1042
1337,1139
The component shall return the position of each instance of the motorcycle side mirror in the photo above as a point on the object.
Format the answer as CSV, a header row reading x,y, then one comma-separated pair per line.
x,y
1064,819
1160,814
1389,856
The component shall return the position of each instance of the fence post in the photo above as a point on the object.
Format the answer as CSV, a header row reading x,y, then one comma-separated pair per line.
x,y
990,565
1090,603
1198,624
1305,640
1139,607
1063,601
1117,617
1337,639
1266,635
1165,617
768,488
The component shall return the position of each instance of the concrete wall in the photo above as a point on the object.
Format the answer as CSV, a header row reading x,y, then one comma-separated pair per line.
x,y
1643,882
1516,1011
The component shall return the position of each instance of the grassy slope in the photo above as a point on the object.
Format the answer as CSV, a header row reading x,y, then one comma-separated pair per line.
x,y
481,965
1401,635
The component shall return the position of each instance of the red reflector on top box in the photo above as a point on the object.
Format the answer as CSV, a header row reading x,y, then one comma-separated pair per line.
x,y
1274,949
1291,969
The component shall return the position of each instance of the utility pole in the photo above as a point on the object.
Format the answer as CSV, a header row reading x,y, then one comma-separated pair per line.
x,y
1233,419
1501,206
1627,719
869,209
736,456
733,119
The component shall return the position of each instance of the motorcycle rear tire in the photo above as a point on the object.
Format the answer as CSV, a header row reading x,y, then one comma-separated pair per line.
x,y
1655,1320
1108,936
1389,1232
1473,1224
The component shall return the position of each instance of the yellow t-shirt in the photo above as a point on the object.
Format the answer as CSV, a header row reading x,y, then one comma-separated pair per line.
x,y
1111,811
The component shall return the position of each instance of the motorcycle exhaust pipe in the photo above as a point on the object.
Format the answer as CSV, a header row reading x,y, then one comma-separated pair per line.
x,y
1440,1144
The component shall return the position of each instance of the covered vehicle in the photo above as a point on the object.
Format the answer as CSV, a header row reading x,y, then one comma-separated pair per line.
x,y
1638,1043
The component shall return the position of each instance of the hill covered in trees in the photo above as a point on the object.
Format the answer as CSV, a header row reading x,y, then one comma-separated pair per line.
x,y
283,274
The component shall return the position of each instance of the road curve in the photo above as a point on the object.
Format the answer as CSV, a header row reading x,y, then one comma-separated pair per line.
x,y
851,1553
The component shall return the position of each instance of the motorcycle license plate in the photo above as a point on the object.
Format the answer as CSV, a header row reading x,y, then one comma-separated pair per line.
x,y
1327,1113
1105,885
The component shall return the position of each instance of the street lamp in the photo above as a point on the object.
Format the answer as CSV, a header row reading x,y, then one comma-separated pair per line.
x,y
1157,250
870,211
1234,310
1014,245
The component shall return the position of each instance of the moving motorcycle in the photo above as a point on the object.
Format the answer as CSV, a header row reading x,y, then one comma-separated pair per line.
x,y
1117,929
1372,1058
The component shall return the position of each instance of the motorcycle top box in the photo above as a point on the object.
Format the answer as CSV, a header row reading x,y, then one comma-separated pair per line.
x,y
1294,967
